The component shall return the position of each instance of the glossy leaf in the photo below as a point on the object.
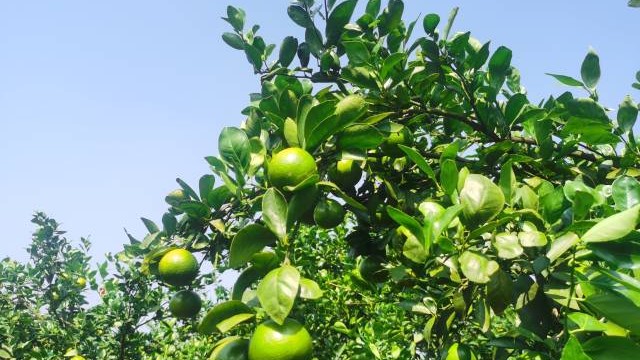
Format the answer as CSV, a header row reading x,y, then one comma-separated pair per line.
x,y
508,245
430,23
567,80
627,114
288,50
278,291
573,350
618,309
309,289
338,18
477,268
614,227
274,212
499,291
233,40
420,161
225,316
625,192
299,16
481,199
590,70
234,147
611,348
248,241
561,245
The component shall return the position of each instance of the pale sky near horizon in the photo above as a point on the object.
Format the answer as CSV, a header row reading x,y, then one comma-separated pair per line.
x,y
104,103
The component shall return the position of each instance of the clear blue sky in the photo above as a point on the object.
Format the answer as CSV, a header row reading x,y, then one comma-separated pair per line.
x,y
104,103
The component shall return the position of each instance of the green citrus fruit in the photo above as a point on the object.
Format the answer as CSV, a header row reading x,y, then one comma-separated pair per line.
x,y
185,304
400,137
328,213
78,357
289,341
371,269
178,267
460,352
345,173
176,197
81,282
234,349
290,167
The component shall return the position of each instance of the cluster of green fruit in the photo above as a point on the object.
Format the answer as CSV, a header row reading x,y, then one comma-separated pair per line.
x,y
179,267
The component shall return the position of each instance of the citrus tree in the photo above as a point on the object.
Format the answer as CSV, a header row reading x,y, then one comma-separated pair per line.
x,y
394,194
56,306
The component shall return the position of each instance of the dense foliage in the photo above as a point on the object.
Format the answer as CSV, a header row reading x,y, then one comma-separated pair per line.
x,y
477,221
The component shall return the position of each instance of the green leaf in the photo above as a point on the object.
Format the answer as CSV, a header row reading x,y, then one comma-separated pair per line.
x,y
225,316
508,245
321,123
299,16
288,50
338,18
560,245
187,189
408,222
291,132
586,323
590,70
481,199
392,63
301,203
420,161
611,348
235,17
313,38
248,241
335,189
414,250
274,212
357,51
567,80
246,278
514,108
499,291
233,40
360,137
277,292
618,309
150,225
391,17
500,62
452,18
219,196
309,289
613,227
195,209
254,56
532,238
573,350
625,192
477,268
230,348
627,114
205,186
373,8
449,176
445,218
624,255
507,181
169,223
430,23
234,147
591,131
